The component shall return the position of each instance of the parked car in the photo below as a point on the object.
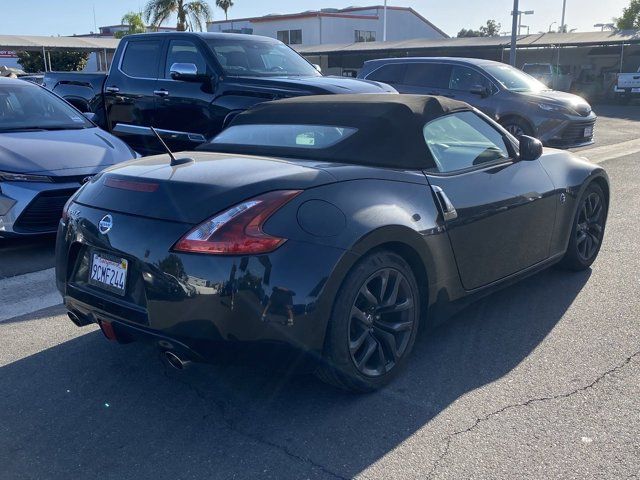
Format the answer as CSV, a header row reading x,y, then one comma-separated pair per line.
x,y
627,86
190,85
332,224
519,102
556,77
47,150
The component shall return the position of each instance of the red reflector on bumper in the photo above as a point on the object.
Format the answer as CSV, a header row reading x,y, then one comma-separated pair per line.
x,y
108,330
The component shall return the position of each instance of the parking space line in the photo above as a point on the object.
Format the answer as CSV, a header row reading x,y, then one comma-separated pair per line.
x,y
609,152
28,293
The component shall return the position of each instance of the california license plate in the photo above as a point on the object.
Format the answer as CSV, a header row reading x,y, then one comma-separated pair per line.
x,y
109,272
588,132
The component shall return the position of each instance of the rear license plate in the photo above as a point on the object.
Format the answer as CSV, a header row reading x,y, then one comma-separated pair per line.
x,y
588,132
109,272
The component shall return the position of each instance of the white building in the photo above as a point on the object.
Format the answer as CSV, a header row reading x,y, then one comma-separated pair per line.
x,y
330,25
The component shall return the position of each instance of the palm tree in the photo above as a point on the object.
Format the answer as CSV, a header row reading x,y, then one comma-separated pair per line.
x,y
191,15
224,5
135,23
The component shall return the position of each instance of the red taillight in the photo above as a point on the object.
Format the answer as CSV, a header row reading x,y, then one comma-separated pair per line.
x,y
238,230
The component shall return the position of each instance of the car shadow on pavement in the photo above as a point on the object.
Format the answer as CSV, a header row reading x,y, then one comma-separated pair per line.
x,y
91,409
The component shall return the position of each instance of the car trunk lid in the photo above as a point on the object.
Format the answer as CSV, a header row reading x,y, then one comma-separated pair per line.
x,y
194,191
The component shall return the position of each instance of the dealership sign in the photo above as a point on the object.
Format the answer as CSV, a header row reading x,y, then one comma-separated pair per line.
x,y
7,54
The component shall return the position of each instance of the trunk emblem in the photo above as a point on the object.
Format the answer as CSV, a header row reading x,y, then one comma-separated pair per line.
x,y
105,224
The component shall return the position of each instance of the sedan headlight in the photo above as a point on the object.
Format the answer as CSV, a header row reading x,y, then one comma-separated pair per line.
x,y
23,177
549,107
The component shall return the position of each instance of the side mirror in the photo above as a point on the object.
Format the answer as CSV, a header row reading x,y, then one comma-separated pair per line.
x,y
90,116
479,90
317,67
186,72
530,148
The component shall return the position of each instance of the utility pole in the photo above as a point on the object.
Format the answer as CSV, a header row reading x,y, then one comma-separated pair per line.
x,y
514,33
384,22
564,10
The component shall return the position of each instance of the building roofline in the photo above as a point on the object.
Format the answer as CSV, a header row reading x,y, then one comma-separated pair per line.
x,y
339,13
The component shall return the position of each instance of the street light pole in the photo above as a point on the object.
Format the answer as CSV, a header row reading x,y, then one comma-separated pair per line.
x,y
564,10
514,33
384,22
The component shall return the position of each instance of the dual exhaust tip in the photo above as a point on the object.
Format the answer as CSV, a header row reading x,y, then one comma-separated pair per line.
x,y
175,360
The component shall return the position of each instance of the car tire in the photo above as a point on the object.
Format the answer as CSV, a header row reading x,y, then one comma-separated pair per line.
x,y
373,325
517,127
587,231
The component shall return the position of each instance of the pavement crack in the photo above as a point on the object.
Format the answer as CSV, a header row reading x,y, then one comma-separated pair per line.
x,y
231,425
449,439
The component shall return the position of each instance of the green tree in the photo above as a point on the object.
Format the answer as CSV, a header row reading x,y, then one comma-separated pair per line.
x,y
469,33
490,29
192,15
630,18
67,61
135,23
225,5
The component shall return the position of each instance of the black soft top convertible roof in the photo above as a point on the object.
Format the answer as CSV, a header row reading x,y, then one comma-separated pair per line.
x,y
389,127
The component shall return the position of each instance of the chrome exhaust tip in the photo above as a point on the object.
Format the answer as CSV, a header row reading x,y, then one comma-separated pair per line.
x,y
175,361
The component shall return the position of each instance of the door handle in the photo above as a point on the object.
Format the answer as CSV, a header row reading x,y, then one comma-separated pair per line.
x,y
112,89
448,210
161,93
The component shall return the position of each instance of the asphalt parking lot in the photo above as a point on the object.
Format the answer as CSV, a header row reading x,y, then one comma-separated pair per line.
x,y
541,380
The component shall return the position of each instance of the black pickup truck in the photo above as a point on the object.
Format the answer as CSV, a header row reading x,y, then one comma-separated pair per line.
x,y
190,85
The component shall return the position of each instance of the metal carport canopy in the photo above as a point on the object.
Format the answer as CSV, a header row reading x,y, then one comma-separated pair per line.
x,y
38,43
524,41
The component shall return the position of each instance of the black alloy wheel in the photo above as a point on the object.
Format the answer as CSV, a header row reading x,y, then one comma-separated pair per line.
x,y
590,226
382,318
373,325
588,229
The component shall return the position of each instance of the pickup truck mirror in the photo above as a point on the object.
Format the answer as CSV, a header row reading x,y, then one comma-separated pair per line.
x,y
187,72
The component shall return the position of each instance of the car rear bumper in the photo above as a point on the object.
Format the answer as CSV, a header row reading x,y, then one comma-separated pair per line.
x,y
190,300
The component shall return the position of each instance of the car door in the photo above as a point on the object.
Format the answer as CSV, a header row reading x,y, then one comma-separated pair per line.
x,y
185,114
499,211
470,85
129,93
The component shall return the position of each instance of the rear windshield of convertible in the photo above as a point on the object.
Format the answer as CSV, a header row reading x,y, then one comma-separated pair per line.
x,y
287,136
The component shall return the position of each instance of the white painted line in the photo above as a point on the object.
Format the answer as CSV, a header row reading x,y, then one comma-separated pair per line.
x,y
609,152
28,293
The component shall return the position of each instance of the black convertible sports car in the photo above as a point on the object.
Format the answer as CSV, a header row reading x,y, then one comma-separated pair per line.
x,y
332,224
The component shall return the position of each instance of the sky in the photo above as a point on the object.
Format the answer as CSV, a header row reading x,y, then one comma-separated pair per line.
x,y
68,17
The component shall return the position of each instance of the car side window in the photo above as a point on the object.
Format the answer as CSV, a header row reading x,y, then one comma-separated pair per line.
x,y
463,140
465,78
181,51
141,58
428,74
392,73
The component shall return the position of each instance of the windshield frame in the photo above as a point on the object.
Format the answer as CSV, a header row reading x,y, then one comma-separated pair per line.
x,y
534,85
309,69
37,124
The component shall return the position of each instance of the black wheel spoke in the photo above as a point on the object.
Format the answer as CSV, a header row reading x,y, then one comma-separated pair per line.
x,y
354,345
360,316
590,226
370,297
371,347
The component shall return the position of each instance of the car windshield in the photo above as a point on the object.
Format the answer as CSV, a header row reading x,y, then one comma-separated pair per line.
x,y
29,107
514,80
260,58
288,136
